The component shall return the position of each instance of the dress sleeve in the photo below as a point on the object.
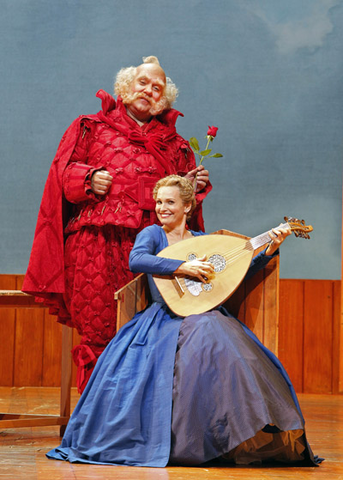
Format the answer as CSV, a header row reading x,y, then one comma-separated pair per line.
x,y
143,257
259,262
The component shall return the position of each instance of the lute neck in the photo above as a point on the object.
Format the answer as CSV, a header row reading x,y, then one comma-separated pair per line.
x,y
263,238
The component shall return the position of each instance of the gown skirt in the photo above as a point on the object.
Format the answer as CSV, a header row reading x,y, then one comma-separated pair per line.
x,y
169,390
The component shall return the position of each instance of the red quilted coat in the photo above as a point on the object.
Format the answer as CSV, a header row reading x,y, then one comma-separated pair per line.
x,y
82,241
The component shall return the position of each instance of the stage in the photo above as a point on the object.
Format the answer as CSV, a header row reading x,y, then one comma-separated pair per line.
x,y
22,450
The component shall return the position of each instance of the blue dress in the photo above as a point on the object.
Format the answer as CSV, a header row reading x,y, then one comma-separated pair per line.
x,y
184,390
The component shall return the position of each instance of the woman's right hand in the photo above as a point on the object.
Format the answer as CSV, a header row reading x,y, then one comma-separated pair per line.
x,y
198,268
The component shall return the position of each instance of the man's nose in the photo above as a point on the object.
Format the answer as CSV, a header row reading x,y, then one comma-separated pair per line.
x,y
148,89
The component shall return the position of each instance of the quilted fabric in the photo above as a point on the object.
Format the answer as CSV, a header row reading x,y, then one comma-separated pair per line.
x,y
96,265
82,241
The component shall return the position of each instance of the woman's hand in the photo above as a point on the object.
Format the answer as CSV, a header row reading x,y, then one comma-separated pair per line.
x,y
277,236
196,268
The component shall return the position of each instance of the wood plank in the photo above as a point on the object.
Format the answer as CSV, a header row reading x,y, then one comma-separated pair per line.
x,y
337,347
247,303
23,420
291,330
28,356
131,298
66,375
19,281
52,351
318,339
340,321
254,305
271,306
7,336
76,341
236,303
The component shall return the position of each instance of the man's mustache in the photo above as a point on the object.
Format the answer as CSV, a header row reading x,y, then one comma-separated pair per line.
x,y
144,96
155,107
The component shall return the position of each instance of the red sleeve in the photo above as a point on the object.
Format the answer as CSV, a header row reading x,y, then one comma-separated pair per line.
x,y
76,179
77,182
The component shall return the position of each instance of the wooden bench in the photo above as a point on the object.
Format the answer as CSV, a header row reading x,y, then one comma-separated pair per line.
x,y
18,299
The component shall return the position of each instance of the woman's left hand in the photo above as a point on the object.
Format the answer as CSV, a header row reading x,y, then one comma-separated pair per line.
x,y
277,236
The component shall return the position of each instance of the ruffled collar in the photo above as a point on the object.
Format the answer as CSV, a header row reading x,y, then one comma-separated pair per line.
x,y
109,105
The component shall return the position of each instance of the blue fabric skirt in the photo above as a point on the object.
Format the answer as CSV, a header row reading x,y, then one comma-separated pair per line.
x,y
184,391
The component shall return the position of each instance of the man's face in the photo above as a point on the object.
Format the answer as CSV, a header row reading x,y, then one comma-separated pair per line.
x,y
147,90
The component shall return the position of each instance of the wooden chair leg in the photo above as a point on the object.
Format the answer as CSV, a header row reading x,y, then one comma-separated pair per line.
x,y
66,371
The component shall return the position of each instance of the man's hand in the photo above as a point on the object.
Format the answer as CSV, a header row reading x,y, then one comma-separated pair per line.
x,y
201,175
101,182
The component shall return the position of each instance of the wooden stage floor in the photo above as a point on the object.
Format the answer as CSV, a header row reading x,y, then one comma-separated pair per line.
x,y
22,451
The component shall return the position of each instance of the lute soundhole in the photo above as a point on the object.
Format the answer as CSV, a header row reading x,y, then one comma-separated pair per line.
x,y
218,261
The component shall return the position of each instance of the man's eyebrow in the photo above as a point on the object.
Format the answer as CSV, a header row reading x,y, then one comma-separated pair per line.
x,y
157,80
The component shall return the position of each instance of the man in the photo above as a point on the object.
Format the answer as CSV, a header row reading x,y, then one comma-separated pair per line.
x,y
98,196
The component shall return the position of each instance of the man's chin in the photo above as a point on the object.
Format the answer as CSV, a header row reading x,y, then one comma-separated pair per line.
x,y
144,101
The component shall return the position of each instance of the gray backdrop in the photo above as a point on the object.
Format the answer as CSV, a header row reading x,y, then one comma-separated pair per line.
x,y
268,73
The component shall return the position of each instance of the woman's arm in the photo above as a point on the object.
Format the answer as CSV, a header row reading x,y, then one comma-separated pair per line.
x,y
143,255
143,258
277,236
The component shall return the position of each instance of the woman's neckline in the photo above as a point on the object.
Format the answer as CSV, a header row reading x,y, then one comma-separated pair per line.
x,y
166,238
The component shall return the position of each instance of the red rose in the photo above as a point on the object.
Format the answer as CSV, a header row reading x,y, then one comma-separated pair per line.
x,y
212,131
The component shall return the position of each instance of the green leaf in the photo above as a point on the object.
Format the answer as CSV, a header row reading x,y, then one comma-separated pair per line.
x,y
216,155
194,144
206,152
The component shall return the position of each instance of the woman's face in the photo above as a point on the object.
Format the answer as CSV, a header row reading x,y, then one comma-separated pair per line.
x,y
170,208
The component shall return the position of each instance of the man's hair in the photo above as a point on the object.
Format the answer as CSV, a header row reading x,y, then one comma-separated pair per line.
x,y
186,190
126,75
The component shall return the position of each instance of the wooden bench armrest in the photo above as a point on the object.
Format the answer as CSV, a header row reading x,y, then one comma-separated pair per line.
x,y
17,299
131,298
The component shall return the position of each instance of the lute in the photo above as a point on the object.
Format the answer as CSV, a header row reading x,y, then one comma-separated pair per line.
x,y
231,257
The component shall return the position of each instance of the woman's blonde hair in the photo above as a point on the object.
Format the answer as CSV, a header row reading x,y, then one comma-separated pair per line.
x,y
126,75
185,187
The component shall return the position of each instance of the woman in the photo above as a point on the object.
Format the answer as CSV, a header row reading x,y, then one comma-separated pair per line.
x,y
185,390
